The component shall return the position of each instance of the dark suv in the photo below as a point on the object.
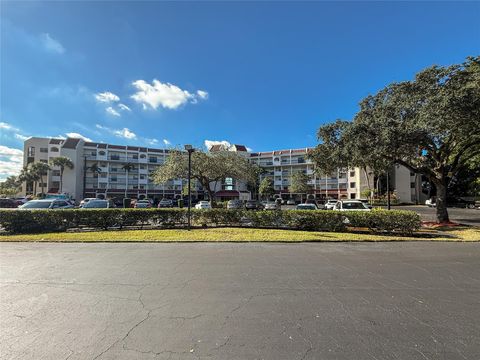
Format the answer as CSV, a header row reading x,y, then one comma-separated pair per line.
x,y
8,203
253,205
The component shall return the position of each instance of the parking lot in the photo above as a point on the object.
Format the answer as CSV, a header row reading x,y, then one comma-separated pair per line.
x,y
240,301
462,216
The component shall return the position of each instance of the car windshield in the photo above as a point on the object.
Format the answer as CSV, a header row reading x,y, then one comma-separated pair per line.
x,y
37,205
96,204
354,205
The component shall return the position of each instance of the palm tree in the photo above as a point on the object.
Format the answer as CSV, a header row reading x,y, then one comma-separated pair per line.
x,y
62,162
94,168
38,170
26,176
127,167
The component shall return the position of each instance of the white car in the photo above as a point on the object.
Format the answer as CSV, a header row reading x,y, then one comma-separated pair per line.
x,y
85,201
203,205
330,204
351,205
430,203
46,204
272,205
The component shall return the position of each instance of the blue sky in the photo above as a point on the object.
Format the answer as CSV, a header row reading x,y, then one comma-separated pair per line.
x,y
262,74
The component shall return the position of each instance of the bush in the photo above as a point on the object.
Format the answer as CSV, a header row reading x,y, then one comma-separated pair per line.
x,y
379,220
36,221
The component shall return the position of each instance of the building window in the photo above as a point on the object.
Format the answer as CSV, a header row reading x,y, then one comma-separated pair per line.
x,y
44,161
153,159
44,150
142,167
352,173
143,156
412,185
31,151
56,173
353,196
412,173
135,156
113,179
101,153
54,149
115,157
142,177
352,185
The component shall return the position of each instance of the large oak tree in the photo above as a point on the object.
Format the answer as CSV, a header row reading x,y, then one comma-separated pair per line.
x,y
208,168
430,125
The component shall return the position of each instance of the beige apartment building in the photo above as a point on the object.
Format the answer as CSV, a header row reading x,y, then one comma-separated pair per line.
x,y
112,180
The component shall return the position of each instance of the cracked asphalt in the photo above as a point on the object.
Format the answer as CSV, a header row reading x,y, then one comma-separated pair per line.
x,y
240,301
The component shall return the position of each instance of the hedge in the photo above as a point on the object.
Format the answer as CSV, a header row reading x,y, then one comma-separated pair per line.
x,y
36,221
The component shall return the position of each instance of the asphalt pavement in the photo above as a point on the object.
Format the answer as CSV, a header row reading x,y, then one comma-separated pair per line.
x,y
462,216
418,300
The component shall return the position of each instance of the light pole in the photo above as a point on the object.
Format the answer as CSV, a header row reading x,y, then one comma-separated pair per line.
x,y
190,150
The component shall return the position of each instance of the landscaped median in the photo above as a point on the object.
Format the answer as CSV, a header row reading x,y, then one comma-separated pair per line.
x,y
210,225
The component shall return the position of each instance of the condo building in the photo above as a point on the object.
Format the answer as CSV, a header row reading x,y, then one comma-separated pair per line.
x,y
100,169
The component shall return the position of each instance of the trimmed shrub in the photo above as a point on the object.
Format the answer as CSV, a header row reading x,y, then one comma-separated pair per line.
x,y
36,221
380,220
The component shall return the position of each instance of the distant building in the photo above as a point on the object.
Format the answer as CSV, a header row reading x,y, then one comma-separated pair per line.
x,y
111,179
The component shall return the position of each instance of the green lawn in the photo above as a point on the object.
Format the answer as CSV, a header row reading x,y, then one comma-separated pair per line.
x,y
229,234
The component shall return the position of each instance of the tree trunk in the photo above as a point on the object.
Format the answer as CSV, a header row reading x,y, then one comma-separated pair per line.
x,y
441,202
41,183
61,181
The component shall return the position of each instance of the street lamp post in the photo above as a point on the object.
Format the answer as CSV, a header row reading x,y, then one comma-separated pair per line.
x,y
190,150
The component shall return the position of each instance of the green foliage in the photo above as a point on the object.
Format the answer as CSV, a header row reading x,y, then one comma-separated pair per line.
x,y
429,125
300,183
62,162
38,221
380,220
10,186
266,189
208,168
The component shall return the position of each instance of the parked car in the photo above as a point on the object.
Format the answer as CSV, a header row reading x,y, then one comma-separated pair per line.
x,y
46,204
142,204
253,205
351,205
84,201
165,203
306,207
98,204
330,204
291,202
8,204
235,204
203,205
453,202
311,202
272,205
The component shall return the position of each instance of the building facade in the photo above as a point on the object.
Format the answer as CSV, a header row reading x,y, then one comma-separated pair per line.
x,y
101,169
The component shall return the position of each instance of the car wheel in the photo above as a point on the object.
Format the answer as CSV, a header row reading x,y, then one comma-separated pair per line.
x,y
471,206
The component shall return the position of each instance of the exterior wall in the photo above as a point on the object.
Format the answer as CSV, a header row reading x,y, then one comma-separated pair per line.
x,y
36,144
112,180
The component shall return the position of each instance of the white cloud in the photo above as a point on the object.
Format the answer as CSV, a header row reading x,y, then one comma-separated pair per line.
x,y
125,133
78,136
225,143
6,126
11,161
202,94
106,97
51,44
151,141
21,137
167,95
124,107
166,142
110,110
